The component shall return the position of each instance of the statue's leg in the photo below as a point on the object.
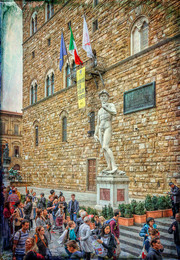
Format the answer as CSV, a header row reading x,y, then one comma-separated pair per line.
x,y
106,141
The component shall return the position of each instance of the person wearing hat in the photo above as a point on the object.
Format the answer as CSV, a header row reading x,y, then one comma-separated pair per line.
x,y
150,224
103,131
175,198
42,202
19,215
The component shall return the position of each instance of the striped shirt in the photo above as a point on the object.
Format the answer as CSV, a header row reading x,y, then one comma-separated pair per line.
x,y
20,248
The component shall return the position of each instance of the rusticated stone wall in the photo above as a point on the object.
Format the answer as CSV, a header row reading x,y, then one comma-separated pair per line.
x,y
145,144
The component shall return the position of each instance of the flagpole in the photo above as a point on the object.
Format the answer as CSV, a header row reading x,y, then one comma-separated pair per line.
x,y
67,56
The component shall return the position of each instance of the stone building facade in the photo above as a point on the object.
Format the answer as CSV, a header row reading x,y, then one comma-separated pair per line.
x,y
11,133
138,42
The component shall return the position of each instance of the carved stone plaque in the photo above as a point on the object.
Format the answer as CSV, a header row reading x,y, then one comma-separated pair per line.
x,y
140,98
120,194
105,194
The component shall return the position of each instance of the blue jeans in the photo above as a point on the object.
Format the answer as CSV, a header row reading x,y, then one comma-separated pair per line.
x,y
34,212
178,250
73,217
19,257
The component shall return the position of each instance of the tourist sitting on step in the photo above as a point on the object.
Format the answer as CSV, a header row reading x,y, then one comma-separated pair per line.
x,y
155,252
150,224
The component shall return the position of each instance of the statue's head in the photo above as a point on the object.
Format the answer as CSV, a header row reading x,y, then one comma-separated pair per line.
x,y
102,92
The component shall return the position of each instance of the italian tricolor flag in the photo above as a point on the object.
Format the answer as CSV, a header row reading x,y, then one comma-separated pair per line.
x,y
73,49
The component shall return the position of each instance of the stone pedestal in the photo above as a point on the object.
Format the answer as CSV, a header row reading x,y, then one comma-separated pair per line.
x,y
6,175
113,189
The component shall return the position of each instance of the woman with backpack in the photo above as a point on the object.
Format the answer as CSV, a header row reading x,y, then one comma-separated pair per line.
x,y
108,242
42,242
32,250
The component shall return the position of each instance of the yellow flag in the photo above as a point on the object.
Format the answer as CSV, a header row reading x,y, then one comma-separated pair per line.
x,y
81,87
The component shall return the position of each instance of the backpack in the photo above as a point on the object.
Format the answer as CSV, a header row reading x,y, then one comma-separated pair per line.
x,y
109,220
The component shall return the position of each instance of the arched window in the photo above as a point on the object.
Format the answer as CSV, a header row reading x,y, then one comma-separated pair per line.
x,y
49,10
33,25
139,35
49,83
33,92
64,129
52,83
36,135
69,73
16,151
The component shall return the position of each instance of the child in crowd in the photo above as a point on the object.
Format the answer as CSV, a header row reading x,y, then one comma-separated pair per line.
x,y
71,226
55,209
102,220
73,249
98,225
60,216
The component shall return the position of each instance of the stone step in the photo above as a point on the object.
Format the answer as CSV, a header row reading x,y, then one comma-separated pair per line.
x,y
135,252
164,236
165,222
134,247
160,227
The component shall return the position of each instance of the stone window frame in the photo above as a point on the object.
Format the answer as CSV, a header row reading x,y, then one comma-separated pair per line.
x,y
16,129
91,123
36,137
63,115
33,92
138,24
33,21
3,127
51,10
14,145
51,75
72,61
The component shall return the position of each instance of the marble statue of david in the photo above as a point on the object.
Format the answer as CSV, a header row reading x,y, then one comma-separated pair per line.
x,y
103,131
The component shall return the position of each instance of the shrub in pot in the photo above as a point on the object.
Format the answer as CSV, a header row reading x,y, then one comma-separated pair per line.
x,y
122,209
148,203
140,216
167,211
126,218
110,211
133,205
150,207
105,212
155,202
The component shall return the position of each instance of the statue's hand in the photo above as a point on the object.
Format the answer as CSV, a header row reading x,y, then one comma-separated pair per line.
x,y
96,138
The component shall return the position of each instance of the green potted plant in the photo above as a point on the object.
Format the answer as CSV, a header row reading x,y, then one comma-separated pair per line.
x,y
105,212
167,211
126,218
151,205
133,205
140,213
110,211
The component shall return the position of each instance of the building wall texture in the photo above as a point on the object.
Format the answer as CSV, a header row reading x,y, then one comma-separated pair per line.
x,y
145,144
8,135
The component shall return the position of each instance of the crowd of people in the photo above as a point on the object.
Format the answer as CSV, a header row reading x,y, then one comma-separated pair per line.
x,y
79,238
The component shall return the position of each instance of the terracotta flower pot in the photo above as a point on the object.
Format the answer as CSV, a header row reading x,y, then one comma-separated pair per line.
x,y
140,218
154,214
126,221
167,213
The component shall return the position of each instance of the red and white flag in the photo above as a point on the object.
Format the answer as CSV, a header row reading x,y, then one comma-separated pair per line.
x,y
86,44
